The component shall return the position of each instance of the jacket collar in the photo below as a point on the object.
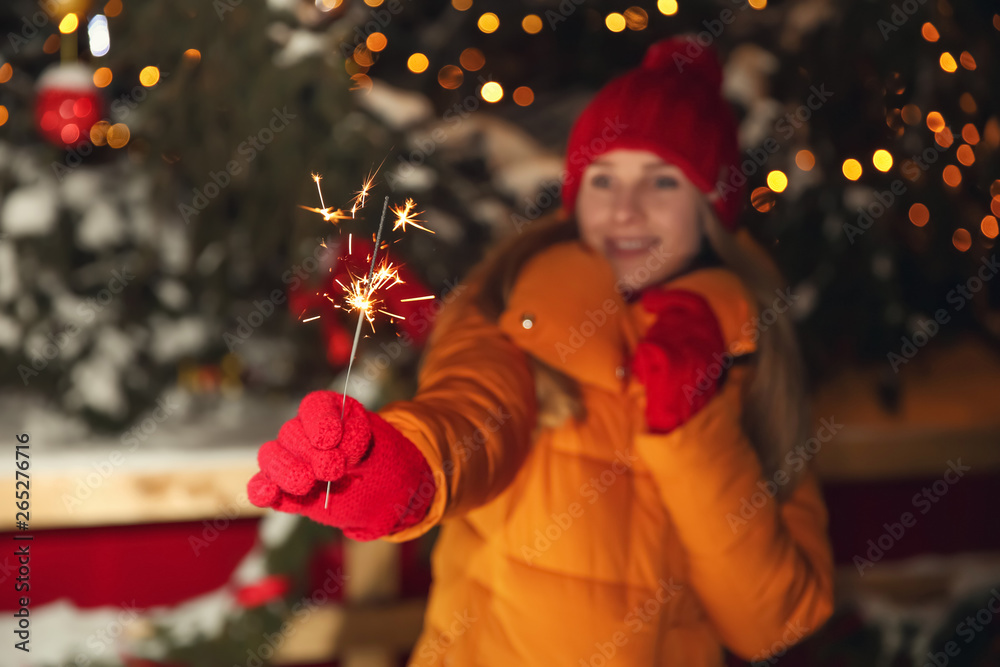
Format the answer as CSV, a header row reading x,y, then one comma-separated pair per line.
x,y
567,310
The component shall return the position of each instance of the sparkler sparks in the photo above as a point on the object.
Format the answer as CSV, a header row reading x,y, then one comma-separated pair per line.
x,y
361,292
361,195
405,215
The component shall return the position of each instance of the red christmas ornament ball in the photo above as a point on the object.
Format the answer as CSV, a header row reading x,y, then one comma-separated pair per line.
x,y
67,105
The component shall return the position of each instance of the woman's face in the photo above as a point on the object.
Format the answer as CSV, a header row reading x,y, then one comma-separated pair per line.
x,y
641,213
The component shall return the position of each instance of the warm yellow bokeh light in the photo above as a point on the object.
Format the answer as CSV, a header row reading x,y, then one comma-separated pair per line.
x,y
944,138
488,22
935,121
777,181
363,82
113,8
193,55
968,62
373,3
363,55
636,18
69,24
472,59
961,239
667,7
149,76
882,159
6,71
4,115
952,176
919,215
989,227
851,169
417,63
352,67
615,22
762,199
758,4
99,132
948,63
967,102
523,96
805,160
118,135
461,5
965,155
103,77
491,91
970,134
995,206
995,188
376,41
929,32
911,114
532,24
450,77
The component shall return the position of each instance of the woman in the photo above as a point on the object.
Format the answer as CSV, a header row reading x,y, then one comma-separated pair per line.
x,y
593,416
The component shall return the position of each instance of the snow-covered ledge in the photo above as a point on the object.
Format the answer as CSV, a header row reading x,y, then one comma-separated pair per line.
x,y
175,464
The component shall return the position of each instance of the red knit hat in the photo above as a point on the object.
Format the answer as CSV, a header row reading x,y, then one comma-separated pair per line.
x,y
672,106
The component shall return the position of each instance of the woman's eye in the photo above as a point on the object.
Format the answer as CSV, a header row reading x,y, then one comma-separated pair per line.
x,y
600,181
666,182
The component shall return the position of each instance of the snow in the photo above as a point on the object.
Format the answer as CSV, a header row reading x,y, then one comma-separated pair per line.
x,y
301,44
210,258
447,227
96,384
10,282
81,188
175,250
746,80
30,211
803,18
172,293
10,333
399,109
73,635
101,227
409,178
175,339
276,527
67,76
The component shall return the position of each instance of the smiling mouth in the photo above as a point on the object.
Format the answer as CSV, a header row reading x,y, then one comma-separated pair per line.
x,y
624,247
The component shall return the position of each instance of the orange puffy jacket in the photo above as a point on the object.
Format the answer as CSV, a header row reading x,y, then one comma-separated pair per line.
x,y
597,540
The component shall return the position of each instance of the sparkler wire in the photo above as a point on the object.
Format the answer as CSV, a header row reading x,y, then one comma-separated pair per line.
x,y
357,331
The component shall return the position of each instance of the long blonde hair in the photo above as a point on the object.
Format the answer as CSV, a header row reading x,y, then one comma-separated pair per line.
x,y
775,415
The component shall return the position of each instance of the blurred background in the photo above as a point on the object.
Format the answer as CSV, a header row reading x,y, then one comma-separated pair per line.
x,y
166,298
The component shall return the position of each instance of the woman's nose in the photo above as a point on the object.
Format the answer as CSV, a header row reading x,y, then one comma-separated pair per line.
x,y
628,208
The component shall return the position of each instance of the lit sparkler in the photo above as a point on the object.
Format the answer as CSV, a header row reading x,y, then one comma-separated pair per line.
x,y
405,215
357,330
361,291
361,195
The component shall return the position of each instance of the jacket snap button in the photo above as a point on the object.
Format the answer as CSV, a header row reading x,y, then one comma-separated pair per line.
x,y
620,372
527,320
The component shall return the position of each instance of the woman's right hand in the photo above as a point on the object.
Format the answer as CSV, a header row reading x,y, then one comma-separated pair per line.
x,y
380,482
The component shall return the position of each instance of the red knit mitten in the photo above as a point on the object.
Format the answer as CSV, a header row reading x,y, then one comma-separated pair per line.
x,y
381,482
674,359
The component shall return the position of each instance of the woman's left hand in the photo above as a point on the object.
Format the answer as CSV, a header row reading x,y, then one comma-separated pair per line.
x,y
673,359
